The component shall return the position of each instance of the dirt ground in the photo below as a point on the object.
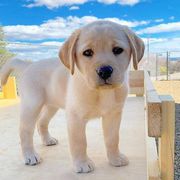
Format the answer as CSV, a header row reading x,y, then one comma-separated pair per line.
x,y
169,87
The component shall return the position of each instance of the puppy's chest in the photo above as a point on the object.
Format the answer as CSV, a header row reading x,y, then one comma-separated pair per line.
x,y
103,103
106,101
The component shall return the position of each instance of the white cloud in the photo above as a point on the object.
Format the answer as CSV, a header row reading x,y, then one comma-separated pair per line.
x,y
54,3
154,40
19,46
128,23
57,28
122,2
53,29
58,3
163,44
168,44
35,51
159,20
171,17
74,8
169,27
52,43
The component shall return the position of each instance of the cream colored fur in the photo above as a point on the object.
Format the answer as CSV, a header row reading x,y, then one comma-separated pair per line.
x,y
47,86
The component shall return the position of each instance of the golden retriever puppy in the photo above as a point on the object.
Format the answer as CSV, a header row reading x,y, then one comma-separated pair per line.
x,y
93,82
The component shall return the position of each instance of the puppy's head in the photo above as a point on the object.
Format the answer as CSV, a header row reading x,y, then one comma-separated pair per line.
x,y
101,52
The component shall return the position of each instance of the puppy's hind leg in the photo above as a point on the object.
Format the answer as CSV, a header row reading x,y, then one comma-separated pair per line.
x,y
47,113
30,110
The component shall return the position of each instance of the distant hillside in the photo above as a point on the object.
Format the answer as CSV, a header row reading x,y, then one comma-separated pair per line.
x,y
174,58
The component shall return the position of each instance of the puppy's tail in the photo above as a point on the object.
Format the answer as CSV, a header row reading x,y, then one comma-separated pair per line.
x,y
10,66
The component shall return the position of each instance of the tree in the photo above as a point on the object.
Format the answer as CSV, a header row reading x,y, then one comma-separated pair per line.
x,y
5,54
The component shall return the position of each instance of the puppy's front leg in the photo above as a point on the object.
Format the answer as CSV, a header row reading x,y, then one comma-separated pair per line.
x,y
78,144
111,123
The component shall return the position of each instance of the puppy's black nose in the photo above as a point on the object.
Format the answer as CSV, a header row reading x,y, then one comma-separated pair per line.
x,y
104,72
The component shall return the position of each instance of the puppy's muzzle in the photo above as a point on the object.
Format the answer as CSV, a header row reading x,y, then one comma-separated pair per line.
x,y
104,72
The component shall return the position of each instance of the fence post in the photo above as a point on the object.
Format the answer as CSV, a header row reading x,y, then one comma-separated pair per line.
x,y
177,144
167,65
166,141
156,66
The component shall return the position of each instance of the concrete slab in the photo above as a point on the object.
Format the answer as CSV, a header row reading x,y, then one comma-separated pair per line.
x,y
8,102
56,163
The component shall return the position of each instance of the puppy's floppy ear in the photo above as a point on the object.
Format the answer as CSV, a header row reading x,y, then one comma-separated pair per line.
x,y
137,46
67,53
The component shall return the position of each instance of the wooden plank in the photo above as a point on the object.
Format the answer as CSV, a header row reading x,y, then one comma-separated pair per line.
x,y
166,142
177,144
136,74
138,91
153,170
152,159
136,82
153,105
154,119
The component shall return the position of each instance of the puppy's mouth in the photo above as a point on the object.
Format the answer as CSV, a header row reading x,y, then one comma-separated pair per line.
x,y
108,85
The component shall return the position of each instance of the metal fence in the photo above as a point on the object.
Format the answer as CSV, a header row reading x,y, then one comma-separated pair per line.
x,y
163,65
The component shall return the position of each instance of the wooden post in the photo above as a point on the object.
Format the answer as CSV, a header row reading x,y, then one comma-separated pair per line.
x,y
177,144
166,142
136,82
152,159
153,105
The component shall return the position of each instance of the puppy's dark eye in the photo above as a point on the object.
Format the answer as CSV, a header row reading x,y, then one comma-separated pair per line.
x,y
88,53
117,50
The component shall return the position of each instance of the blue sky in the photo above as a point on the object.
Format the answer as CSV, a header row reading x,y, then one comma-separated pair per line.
x,y
47,23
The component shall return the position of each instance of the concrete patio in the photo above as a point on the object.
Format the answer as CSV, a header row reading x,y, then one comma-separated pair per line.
x,y
56,163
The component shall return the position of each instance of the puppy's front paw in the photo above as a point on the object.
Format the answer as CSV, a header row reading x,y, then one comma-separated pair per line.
x,y
31,158
50,141
85,166
120,160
